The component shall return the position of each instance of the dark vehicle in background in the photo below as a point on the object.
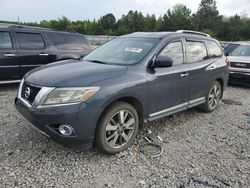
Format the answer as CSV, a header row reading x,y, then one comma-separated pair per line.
x,y
239,70
25,48
107,96
229,47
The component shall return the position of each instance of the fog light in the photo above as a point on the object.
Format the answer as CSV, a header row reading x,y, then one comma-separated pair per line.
x,y
65,130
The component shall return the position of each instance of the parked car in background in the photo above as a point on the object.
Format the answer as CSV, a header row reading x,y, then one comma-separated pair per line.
x,y
108,95
240,65
25,48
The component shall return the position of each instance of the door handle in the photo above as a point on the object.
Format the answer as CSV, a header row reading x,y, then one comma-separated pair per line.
x,y
43,54
185,74
212,68
9,55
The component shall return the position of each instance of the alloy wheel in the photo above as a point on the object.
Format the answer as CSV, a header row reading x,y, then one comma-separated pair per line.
x,y
119,129
214,96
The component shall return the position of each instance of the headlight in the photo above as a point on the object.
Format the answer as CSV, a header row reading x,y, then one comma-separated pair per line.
x,y
70,95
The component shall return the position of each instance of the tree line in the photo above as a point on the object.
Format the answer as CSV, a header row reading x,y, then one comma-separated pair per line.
x,y
207,19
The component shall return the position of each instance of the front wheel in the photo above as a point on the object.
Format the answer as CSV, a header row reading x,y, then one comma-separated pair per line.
x,y
117,128
213,98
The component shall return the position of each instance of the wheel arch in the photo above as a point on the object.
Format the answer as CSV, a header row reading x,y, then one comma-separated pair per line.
x,y
132,100
221,81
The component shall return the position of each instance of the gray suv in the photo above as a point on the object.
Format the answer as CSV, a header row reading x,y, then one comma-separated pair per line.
x,y
104,98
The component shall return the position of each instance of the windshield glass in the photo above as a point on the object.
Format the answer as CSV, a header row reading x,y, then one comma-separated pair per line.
x,y
242,50
122,51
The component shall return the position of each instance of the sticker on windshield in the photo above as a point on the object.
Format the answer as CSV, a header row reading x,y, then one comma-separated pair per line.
x,y
134,50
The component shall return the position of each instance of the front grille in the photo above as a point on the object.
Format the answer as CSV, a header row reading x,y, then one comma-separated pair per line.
x,y
240,65
29,92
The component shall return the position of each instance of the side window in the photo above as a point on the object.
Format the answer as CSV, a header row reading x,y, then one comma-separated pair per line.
x,y
68,41
174,50
5,40
214,49
196,51
30,41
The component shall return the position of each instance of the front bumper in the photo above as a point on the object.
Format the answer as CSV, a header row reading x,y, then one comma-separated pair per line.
x,y
81,116
239,78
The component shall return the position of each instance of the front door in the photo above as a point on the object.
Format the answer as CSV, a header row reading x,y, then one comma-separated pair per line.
x,y
9,67
168,88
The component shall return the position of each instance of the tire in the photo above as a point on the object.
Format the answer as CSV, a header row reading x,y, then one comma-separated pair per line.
x,y
117,128
213,98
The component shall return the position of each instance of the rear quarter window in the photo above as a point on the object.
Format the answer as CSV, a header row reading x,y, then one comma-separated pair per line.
x,y
196,51
68,41
214,49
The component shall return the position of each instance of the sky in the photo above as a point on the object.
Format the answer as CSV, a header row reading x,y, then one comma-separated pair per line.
x,y
37,10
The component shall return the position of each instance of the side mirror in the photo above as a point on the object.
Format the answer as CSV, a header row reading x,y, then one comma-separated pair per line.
x,y
225,51
163,61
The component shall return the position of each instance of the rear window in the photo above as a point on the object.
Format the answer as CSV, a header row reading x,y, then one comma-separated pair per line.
x,y
214,49
196,51
5,40
30,40
68,41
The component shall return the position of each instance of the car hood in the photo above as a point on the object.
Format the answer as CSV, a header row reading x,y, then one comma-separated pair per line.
x,y
245,59
73,73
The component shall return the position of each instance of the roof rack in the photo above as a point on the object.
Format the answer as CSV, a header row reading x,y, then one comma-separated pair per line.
x,y
193,32
8,25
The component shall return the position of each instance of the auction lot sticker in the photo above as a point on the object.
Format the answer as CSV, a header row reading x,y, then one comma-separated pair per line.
x,y
134,50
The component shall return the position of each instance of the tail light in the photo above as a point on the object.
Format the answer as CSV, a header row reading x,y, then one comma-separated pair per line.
x,y
227,62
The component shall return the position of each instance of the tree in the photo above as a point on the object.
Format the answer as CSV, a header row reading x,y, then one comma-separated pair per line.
x,y
177,18
108,21
207,16
150,22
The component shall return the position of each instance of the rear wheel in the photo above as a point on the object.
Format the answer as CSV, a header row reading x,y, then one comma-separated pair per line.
x,y
117,128
213,98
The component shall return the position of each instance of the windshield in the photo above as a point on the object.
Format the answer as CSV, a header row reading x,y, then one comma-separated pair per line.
x,y
122,51
242,50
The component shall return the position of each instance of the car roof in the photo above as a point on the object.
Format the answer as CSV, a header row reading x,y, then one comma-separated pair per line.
x,y
31,28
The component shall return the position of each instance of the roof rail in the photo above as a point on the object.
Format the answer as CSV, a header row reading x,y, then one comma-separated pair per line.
x,y
8,25
193,32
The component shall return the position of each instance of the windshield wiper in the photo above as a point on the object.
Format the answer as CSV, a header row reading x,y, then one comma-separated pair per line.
x,y
97,61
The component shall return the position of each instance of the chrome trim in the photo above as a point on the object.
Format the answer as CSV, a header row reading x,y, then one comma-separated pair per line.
x,y
10,81
9,66
37,65
42,95
243,73
26,103
176,108
9,55
58,105
39,97
169,109
43,54
195,102
17,66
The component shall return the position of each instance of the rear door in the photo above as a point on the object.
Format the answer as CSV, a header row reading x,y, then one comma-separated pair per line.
x,y
168,87
202,65
68,45
9,67
32,50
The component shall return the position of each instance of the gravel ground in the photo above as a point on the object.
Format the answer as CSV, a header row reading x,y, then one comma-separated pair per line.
x,y
213,148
